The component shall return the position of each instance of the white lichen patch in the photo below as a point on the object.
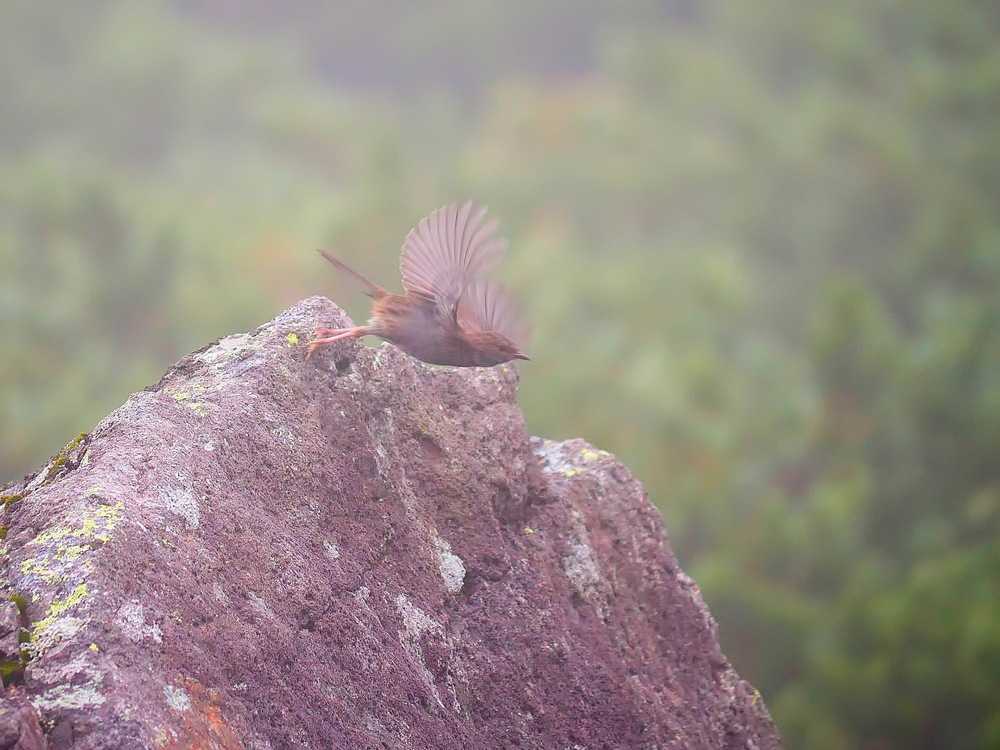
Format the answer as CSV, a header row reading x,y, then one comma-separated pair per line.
x,y
416,623
379,355
573,458
220,594
388,433
77,683
57,631
177,698
331,549
181,501
556,458
132,622
63,697
228,349
259,605
80,666
581,568
450,565
284,434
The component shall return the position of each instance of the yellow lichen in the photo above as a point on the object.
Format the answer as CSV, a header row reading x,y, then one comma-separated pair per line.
x,y
37,568
104,519
292,339
198,407
60,606
54,534
94,647
70,552
184,397
52,565
112,513
589,454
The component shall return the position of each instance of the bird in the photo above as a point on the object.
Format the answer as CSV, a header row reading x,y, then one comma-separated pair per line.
x,y
450,313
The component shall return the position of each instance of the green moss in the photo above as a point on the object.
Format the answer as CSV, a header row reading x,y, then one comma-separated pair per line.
x,y
3,532
10,499
62,456
11,670
21,602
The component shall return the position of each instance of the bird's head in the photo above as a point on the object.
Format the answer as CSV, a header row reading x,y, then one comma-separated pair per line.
x,y
493,348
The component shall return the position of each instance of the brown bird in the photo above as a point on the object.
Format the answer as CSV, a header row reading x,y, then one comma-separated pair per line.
x,y
450,314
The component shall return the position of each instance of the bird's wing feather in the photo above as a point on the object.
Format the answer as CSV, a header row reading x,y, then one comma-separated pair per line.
x,y
487,306
446,251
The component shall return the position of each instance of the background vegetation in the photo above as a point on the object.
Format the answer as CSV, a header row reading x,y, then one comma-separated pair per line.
x,y
760,241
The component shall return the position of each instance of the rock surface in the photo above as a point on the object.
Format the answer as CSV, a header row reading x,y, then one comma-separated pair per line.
x,y
358,551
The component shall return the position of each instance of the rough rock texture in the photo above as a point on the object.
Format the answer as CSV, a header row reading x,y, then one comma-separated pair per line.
x,y
358,551
19,726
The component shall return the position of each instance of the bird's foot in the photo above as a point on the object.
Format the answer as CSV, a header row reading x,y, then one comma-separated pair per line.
x,y
326,336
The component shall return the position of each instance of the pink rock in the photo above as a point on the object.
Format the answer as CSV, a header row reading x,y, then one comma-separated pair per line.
x,y
359,551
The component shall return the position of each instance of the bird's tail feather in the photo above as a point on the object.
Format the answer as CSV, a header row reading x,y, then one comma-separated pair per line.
x,y
372,289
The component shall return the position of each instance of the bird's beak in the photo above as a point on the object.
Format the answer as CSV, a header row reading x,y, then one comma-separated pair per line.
x,y
521,356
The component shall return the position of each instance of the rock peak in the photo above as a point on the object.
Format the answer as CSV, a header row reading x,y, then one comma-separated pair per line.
x,y
356,551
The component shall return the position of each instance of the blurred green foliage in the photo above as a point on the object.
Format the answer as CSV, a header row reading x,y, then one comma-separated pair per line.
x,y
760,243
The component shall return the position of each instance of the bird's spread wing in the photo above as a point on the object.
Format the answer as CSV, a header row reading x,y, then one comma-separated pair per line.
x,y
446,251
487,306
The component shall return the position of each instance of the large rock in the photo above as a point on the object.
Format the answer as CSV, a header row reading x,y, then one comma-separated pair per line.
x,y
358,551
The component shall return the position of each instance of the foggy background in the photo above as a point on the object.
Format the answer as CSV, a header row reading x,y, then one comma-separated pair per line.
x,y
759,242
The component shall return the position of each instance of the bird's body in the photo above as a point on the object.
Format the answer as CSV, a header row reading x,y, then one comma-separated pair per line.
x,y
414,328
449,315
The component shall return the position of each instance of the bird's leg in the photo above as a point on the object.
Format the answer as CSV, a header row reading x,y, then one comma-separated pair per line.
x,y
330,335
